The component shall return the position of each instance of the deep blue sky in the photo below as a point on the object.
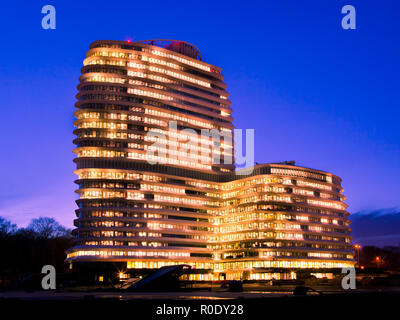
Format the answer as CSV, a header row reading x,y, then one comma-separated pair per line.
x,y
313,92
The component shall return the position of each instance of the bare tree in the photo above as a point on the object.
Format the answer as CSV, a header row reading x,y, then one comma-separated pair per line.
x,y
6,227
46,227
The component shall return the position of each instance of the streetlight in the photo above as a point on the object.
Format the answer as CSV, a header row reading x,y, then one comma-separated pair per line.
x,y
378,260
358,247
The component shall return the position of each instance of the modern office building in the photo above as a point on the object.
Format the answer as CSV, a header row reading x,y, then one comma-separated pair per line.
x,y
154,192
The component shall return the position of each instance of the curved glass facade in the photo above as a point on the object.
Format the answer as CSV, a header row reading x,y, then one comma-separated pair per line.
x,y
150,205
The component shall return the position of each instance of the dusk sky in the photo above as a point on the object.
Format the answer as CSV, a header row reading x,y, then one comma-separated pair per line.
x,y
313,92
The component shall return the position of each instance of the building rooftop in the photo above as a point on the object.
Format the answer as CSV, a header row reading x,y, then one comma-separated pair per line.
x,y
181,47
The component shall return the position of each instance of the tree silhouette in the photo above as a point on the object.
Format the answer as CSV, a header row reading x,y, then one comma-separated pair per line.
x,y
27,250
6,227
48,228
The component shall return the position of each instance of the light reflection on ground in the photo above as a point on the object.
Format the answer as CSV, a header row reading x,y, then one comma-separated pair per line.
x,y
187,295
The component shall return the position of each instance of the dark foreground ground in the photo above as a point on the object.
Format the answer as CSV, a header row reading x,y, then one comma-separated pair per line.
x,y
201,304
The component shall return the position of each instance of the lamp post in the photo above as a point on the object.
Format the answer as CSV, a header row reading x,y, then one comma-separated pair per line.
x,y
378,260
358,247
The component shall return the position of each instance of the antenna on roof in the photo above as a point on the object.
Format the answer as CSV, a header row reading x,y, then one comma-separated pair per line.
x,y
290,162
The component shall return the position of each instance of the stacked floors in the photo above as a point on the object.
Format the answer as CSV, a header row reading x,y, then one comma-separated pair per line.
x,y
154,192
281,219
